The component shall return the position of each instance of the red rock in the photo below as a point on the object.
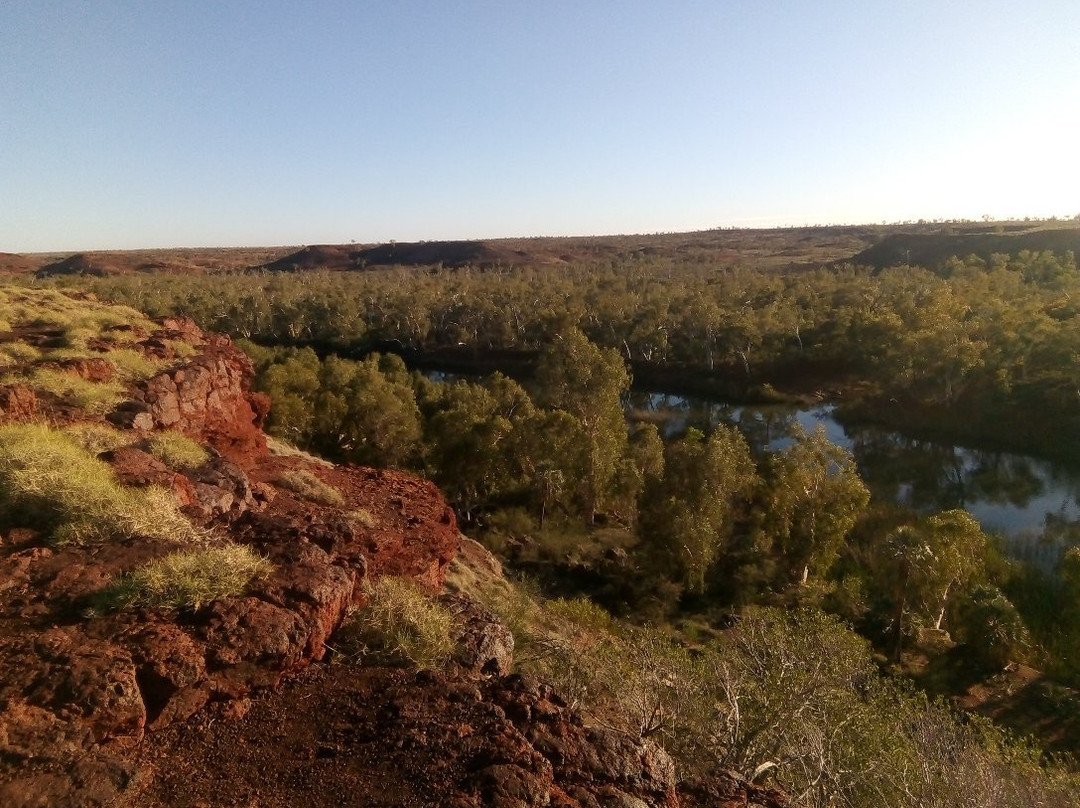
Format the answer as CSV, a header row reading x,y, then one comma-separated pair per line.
x,y
134,467
250,630
171,671
96,780
207,399
62,691
484,645
320,592
17,403
93,369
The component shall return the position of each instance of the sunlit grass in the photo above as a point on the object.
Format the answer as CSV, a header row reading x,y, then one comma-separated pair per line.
x,y
307,485
399,626
97,438
177,451
93,397
187,579
50,482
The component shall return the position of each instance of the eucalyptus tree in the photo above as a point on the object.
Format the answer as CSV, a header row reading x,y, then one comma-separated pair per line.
x,y
588,382
810,500
691,509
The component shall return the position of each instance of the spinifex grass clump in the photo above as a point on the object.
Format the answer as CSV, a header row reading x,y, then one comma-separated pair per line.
x,y
77,320
16,353
89,396
307,485
400,626
50,482
177,451
97,438
187,579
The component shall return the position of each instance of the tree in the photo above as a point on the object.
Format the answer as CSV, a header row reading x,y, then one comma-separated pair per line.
x,y
931,561
811,499
476,439
588,382
691,510
292,383
382,421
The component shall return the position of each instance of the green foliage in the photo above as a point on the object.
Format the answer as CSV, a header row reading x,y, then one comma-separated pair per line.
x,y
474,444
992,628
691,510
186,579
177,451
793,697
48,481
381,424
588,381
398,626
307,485
812,499
978,346
291,378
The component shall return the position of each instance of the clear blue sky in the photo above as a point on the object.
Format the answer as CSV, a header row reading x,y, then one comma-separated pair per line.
x,y
144,124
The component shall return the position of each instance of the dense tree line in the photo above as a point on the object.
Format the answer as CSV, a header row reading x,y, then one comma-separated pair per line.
x,y
707,518
986,347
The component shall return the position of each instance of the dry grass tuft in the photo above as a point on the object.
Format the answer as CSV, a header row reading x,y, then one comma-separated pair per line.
x,y
400,626
362,517
281,448
13,354
97,438
92,397
187,579
178,452
307,485
49,481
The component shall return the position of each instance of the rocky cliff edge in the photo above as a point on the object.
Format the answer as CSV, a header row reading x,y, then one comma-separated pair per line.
x,y
237,701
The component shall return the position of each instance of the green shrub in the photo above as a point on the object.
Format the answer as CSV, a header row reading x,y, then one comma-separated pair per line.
x,y
792,697
399,626
307,485
49,481
177,451
187,579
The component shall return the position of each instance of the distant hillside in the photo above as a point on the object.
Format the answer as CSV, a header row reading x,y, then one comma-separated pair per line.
x,y
780,249
483,254
931,250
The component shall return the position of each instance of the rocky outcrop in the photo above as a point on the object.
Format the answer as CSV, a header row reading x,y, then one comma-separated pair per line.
x,y
483,644
207,398
74,697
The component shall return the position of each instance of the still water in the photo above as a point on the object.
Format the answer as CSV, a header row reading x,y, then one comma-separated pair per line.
x,y
1033,504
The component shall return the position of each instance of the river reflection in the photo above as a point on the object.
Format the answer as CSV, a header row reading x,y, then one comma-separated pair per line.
x,y
1034,504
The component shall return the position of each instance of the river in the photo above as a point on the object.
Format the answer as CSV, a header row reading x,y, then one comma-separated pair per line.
x,y
1033,504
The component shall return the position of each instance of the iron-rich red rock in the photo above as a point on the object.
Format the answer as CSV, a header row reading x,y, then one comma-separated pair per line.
x,y
17,403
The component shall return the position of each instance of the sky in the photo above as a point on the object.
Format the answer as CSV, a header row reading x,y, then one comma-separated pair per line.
x,y
132,124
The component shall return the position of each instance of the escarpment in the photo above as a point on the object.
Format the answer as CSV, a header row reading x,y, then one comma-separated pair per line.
x,y
126,445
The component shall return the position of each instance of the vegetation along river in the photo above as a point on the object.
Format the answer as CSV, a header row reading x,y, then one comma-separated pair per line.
x,y
1033,504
